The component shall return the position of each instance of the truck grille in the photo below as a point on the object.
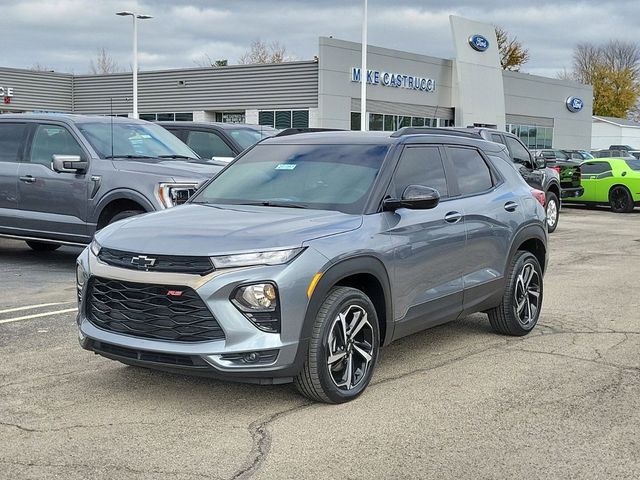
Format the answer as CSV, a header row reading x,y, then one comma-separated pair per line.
x,y
156,263
161,312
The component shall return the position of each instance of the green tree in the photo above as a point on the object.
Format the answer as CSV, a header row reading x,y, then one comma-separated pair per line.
x,y
615,92
512,54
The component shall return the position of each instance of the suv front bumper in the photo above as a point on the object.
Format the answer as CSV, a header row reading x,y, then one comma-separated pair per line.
x,y
280,355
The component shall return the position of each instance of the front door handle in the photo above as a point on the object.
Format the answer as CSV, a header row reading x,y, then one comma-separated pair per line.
x,y
28,179
452,217
510,206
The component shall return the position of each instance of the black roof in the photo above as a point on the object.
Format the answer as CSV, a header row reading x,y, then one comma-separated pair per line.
x,y
221,125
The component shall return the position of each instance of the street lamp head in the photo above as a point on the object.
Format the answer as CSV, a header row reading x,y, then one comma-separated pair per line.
x,y
143,16
125,13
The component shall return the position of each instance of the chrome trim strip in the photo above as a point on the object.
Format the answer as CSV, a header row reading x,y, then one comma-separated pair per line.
x,y
43,240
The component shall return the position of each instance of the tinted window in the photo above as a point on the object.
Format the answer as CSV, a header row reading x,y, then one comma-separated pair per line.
x,y
209,145
246,137
50,140
497,138
328,177
11,136
633,164
420,166
473,173
517,149
595,167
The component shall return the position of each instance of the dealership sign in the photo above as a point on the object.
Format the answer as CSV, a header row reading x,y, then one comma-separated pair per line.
x,y
6,93
574,104
478,43
397,80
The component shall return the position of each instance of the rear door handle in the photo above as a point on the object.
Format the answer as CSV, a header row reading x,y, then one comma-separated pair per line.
x,y
452,217
510,206
28,179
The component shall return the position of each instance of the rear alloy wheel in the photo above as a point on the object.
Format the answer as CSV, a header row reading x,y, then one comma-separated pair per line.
x,y
343,348
620,200
553,211
43,246
519,310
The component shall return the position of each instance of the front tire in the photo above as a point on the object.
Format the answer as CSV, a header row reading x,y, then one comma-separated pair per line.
x,y
43,246
519,310
125,214
343,348
552,209
620,200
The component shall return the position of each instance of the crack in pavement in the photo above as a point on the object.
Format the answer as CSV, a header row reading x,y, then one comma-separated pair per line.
x,y
73,427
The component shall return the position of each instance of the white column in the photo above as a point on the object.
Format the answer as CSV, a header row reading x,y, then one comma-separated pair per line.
x,y
364,120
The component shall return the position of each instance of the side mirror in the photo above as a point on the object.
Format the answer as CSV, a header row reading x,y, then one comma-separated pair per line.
x,y
415,197
526,162
541,162
69,164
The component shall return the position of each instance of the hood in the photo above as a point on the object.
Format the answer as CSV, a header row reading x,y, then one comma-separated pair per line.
x,y
176,169
206,230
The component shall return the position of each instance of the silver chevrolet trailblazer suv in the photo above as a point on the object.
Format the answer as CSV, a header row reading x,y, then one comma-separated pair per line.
x,y
62,177
309,252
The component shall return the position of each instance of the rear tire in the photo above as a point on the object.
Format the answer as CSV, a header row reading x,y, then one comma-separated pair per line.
x,y
124,214
43,246
620,200
343,348
520,308
552,208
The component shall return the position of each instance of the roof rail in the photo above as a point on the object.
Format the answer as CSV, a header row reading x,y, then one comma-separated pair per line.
x,y
294,131
434,131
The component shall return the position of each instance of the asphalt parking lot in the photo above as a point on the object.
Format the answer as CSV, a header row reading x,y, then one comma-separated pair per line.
x,y
453,402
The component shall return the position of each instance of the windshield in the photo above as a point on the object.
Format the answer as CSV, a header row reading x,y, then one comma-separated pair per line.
x,y
246,137
634,164
134,140
326,177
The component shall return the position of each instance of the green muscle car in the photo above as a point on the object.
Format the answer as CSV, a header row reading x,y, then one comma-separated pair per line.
x,y
610,181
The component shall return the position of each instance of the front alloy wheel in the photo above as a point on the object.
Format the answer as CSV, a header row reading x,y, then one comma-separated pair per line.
x,y
553,211
343,348
527,295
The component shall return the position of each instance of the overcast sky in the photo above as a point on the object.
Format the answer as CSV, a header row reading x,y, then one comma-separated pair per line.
x,y
66,34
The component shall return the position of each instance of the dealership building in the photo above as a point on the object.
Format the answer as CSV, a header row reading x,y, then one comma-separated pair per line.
x,y
404,89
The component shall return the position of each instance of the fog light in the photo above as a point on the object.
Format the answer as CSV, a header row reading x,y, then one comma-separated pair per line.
x,y
259,303
252,357
265,357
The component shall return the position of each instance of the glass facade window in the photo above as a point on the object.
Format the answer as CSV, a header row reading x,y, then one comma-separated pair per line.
x,y
284,118
391,123
167,117
534,137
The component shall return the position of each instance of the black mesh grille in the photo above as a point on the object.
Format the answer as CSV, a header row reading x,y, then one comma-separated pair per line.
x,y
161,312
156,263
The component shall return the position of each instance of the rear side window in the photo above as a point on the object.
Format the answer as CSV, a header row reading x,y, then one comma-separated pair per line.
x,y
11,137
420,166
595,167
208,145
50,140
497,138
518,150
633,164
474,175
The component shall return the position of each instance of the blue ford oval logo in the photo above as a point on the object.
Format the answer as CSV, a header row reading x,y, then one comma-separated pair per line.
x,y
478,42
574,104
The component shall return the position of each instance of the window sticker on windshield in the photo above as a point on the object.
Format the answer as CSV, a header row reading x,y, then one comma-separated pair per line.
x,y
285,166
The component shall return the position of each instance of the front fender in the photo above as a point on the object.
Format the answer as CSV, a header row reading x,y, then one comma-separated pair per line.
x,y
121,194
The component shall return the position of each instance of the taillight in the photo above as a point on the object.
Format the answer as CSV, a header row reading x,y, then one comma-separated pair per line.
x,y
556,168
539,195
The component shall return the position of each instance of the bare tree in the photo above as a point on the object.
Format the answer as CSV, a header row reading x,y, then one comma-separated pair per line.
x,y
263,52
620,55
206,61
104,63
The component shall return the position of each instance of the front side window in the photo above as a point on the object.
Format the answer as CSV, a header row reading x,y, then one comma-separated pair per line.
x,y
633,164
420,166
325,177
246,137
133,140
208,144
11,137
471,170
518,150
50,140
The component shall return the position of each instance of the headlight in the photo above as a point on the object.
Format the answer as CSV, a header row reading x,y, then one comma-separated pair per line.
x,y
259,303
277,257
172,194
95,247
81,278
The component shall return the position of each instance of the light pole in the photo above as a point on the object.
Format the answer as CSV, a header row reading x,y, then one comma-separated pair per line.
x,y
364,124
135,17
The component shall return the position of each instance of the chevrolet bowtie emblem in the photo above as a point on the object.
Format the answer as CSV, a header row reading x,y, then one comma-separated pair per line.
x,y
143,261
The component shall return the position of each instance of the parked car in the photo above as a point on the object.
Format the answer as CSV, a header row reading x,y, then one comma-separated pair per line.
x,y
615,153
580,155
62,177
309,252
220,142
611,181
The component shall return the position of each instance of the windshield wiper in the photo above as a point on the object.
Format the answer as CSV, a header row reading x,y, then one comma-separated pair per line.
x,y
186,157
273,204
128,156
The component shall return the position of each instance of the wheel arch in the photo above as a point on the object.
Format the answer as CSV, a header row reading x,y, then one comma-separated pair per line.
x,y
366,273
531,238
554,187
118,201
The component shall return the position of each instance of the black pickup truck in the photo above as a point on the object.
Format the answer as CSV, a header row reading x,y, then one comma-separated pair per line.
x,y
567,164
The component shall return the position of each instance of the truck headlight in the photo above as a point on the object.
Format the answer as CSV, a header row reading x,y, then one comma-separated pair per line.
x,y
277,257
259,303
81,278
95,247
172,194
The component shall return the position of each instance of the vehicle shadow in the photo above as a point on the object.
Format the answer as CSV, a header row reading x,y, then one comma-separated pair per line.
x,y
598,208
18,253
